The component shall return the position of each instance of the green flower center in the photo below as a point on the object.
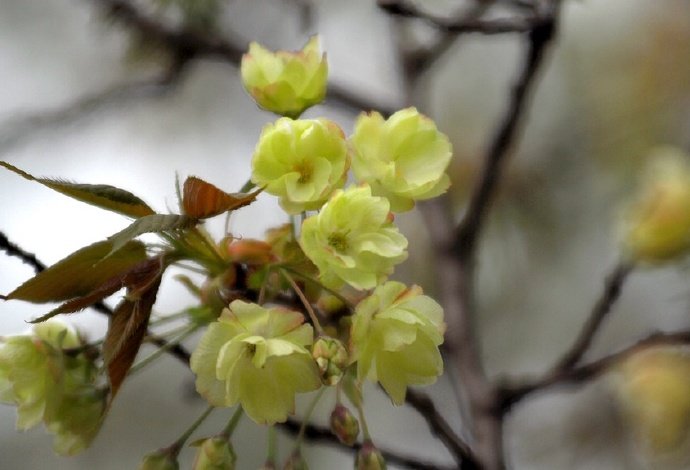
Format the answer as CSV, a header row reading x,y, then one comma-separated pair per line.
x,y
305,171
338,242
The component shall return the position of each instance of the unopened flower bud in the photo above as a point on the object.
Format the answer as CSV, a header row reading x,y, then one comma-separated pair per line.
x,y
285,82
344,425
331,357
369,458
296,462
162,459
215,453
250,251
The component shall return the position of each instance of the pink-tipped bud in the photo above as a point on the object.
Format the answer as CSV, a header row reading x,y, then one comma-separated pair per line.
x,y
344,425
296,462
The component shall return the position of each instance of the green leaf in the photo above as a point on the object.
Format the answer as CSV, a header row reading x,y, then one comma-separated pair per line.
x,y
99,195
80,273
150,224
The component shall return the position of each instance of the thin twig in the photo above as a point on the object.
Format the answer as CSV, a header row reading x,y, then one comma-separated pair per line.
x,y
580,375
609,296
323,435
464,456
463,24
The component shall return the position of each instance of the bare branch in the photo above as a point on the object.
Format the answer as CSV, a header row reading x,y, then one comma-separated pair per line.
x,y
440,427
323,435
580,375
460,25
612,290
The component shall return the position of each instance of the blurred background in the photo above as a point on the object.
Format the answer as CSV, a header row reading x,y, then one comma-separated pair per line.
x,y
79,101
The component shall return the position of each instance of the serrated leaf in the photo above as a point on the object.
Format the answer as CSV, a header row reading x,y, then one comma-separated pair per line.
x,y
150,224
100,195
134,278
80,273
127,328
202,200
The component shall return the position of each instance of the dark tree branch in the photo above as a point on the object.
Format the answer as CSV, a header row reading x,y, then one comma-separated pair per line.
x,y
612,291
456,253
325,436
464,456
463,24
580,375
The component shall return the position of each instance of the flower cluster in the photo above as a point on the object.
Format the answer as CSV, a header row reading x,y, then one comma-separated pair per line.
x,y
48,385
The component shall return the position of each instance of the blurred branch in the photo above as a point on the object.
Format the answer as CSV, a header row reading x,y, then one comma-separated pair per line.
x,y
456,253
464,24
21,127
325,436
464,456
178,351
191,44
612,291
580,375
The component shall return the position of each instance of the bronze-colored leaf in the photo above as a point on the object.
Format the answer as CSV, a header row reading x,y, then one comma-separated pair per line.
x,y
202,200
80,273
135,278
127,330
99,195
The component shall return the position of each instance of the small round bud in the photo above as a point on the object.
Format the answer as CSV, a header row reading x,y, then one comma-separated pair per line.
x,y
215,453
344,425
296,462
331,357
162,459
369,458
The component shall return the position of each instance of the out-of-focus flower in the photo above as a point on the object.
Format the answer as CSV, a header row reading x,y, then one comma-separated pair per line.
x,y
50,386
215,453
395,335
344,425
653,387
353,239
403,158
258,357
286,83
657,226
296,461
302,162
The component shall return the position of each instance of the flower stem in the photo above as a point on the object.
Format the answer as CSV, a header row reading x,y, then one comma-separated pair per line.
x,y
232,424
307,417
272,444
365,429
305,301
336,294
163,349
179,443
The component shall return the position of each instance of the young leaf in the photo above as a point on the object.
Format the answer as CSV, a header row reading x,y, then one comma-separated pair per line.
x,y
149,224
80,273
201,200
135,278
125,334
99,195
